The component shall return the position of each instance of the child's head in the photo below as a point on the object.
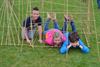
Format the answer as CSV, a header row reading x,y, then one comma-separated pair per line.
x,y
57,38
35,13
74,38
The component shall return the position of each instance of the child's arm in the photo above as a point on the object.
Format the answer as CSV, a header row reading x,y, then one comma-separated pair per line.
x,y
40,29
81,44
83,47
40,33
65,43
25,33
64,48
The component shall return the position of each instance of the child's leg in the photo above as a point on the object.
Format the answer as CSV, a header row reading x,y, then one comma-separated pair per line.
x,y
56,26
31,33
85,49
64,28
64,48
73,26
46,25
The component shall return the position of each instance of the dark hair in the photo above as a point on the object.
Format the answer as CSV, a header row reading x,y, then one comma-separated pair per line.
x,y
73,37
36,8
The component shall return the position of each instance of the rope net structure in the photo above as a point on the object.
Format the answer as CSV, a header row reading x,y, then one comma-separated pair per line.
x,y
13,12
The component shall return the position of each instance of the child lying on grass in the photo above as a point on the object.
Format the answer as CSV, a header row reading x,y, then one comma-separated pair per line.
x,y
72,39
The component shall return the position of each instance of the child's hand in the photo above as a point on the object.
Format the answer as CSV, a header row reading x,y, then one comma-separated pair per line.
x,y
28,41
40,41
81,46
74,44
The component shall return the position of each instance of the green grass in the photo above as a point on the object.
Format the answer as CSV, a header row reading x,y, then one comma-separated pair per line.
x,y
16,53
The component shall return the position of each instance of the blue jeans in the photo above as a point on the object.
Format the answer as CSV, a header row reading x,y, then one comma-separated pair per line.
x,y
46,25
98,2
30,33
56,26
64,29
64,48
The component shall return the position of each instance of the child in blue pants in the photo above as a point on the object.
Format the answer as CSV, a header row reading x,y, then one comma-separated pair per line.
x,y
98,2
53,37
72,39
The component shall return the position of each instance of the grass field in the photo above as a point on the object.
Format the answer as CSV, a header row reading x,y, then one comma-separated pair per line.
x,y
16,53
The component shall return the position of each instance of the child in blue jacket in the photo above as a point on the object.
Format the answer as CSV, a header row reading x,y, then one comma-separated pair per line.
x,y
72,39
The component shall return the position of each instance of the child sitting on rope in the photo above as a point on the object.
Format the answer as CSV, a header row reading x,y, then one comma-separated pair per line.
x,y
72,39
53,37
29,26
